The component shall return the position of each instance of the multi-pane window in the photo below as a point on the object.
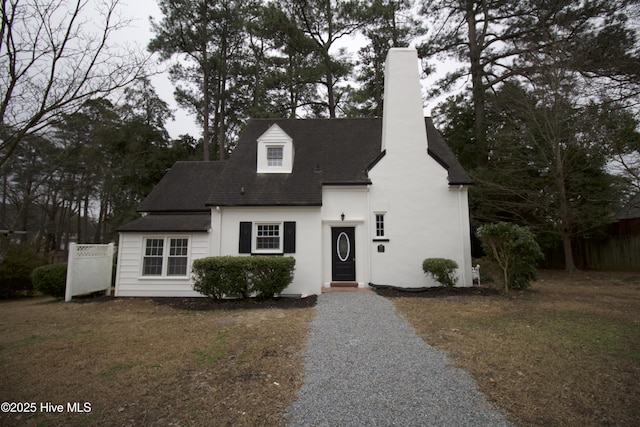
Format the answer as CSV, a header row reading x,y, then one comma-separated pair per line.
x,y
158,261
177,262
379,225
274,156
153,253
268,236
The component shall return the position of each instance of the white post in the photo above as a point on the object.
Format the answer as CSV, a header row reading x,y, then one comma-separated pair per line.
x,y
68,292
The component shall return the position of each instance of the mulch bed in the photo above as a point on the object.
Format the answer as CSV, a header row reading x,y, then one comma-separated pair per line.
x,y
436,292
208,304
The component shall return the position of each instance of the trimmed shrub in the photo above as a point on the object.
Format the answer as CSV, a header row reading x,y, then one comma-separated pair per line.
x,y
15,270
50,279
270,275
514,250
241,277
443,270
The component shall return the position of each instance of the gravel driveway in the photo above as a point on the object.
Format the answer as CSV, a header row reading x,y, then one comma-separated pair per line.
x,y
366,366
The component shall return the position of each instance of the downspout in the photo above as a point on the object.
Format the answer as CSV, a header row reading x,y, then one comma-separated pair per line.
x,y
369,237
219,230
465,261
118,265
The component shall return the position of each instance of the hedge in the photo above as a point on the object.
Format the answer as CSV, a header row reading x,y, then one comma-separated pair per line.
x,y
442,270
16,267
50,279
228,276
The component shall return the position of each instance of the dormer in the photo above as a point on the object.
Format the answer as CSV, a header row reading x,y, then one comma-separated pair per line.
x,y
275,151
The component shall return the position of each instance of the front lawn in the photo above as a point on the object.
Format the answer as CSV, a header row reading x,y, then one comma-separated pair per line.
x,y
139,361
565,352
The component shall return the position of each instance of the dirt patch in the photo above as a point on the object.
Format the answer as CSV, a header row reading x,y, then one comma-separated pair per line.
x,y
565,352
152,361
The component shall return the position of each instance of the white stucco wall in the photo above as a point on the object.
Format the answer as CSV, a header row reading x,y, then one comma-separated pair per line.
x,y
308,274
424,216
353,202
129,278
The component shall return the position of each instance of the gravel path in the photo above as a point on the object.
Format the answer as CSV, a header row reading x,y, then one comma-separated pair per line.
x,y
366,366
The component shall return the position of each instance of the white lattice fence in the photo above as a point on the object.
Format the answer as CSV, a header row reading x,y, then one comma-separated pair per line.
x,y
89,269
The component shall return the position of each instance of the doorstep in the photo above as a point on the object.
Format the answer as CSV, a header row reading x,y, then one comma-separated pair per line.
x,y
345,289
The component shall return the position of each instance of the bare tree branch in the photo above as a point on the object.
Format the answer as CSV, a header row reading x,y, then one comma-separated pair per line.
x,y
51,63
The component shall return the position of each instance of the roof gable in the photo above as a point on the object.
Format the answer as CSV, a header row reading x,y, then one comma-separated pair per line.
x,y
328,152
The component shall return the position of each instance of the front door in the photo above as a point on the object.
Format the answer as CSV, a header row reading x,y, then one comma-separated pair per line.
x,y
343,249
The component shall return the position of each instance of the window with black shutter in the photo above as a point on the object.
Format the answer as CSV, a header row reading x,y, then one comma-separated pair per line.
x,y
244,246
289,237
268,238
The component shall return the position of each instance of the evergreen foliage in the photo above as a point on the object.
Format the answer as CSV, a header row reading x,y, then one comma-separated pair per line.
x,y
443,270
16,267
242,277
515,251
50,279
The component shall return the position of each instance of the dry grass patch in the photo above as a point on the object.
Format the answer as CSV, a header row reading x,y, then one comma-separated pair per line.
x,y
141,362
565,352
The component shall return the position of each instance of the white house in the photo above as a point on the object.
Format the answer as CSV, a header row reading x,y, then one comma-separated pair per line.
x,y
355,201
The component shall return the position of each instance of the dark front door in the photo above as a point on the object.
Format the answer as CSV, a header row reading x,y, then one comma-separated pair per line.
x,y
343,249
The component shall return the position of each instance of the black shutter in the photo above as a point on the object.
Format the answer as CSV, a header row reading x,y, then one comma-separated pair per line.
x,y
244,245
289,237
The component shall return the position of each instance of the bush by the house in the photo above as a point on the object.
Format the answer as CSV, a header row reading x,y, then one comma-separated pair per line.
x,y
443,270
228,276
16,267
514,250
50,279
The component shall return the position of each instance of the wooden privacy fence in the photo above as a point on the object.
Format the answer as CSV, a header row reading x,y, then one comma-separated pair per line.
x,y
620,253
89,269
614,253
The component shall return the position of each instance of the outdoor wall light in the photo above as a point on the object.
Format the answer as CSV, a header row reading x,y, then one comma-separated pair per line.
x,y
342,216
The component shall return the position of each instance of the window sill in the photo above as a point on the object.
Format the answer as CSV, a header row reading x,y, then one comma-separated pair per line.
x,y
176,278
380,240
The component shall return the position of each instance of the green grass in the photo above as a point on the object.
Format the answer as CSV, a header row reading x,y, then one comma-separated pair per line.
x,y
591,334
214,351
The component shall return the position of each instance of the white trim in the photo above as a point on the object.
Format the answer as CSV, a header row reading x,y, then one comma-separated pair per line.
x,y
166,248
254,238
375,225
274,137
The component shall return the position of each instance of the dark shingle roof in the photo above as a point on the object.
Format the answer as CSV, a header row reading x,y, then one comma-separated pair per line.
x,y
184,188
168,222
327,151
439,150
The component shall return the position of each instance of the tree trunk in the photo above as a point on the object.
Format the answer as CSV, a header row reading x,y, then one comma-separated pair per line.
x,y
206,97
331,97
205,117
476,83
569,264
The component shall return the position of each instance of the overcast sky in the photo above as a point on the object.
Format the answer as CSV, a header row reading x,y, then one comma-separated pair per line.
x,y
140,33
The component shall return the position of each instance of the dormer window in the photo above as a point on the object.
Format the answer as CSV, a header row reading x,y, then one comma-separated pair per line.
x,y
274,156
274,151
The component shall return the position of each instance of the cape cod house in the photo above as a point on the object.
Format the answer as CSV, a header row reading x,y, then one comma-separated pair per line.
x,y
355,201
